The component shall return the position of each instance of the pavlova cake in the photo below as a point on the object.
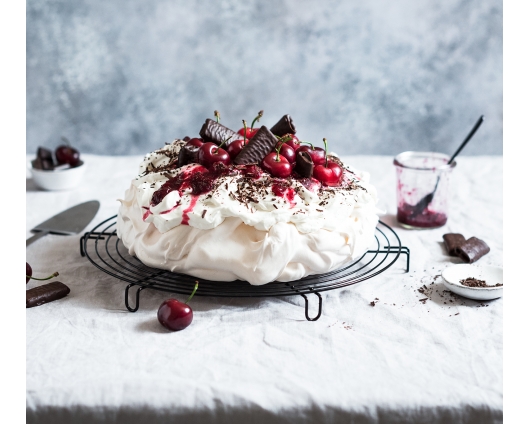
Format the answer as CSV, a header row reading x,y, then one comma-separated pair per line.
x,y
257,205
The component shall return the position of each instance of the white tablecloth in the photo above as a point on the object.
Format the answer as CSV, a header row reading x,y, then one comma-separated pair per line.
x,y
259,360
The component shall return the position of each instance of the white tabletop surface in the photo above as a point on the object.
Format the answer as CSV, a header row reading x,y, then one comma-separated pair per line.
x,y
259,360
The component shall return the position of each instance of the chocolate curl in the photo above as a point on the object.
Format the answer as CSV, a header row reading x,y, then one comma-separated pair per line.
x,y
257,148
284,126
46,293
304,164
453,241
216,133
188,154
472,250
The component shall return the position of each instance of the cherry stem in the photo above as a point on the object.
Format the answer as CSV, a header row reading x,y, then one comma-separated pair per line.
x,y
260,114
220,145
217,116
245,132
326,151
55,274
65,140
307,142
193,292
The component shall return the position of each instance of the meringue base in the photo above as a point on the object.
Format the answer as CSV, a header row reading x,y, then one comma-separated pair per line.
x,y
236,251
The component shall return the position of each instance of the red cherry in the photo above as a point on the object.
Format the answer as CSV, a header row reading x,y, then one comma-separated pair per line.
x,y
249,131
330,175
67,154
287,151
318,154
29,272
209,153
292,141
174,315
195,142
277,165
235,147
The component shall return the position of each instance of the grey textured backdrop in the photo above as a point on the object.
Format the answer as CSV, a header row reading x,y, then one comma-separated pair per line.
x,y
374,77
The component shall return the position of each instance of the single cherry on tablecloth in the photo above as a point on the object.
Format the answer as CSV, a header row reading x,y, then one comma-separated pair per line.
x,y
175,315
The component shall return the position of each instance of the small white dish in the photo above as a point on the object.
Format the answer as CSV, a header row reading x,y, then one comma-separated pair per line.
x,y
490,274
59,179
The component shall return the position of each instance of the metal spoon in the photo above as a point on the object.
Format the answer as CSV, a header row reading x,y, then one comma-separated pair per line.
x,y
424,201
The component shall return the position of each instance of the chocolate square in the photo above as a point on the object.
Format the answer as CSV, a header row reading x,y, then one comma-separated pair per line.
x,y
46,293
257,148
453,241
472,250
216,133
304,164
284,126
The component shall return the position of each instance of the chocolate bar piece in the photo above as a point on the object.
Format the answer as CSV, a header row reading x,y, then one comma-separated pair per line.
x,y
257,148
304,164
188,154
46,293
453,241
472,250
216,133
284,126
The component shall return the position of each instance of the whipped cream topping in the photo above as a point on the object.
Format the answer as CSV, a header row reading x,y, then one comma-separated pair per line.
x,y
259,202
243,223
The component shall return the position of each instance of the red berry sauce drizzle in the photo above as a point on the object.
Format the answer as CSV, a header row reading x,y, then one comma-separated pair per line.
x,y
282,189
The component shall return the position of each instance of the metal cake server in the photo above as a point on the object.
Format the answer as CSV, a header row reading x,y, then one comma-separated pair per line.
x,y
69,222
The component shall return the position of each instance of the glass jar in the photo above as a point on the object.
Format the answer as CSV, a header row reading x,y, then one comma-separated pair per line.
x,y
422,189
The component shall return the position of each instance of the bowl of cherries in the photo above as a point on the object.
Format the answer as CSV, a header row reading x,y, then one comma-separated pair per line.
x,y
62,169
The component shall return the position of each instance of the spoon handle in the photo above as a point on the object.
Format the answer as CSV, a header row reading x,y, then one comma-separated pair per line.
x,y
473,130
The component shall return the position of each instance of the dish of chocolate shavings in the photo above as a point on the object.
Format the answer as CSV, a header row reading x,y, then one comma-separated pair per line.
x,y
474,282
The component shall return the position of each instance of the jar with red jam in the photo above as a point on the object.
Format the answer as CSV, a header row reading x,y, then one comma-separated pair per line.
x,y
422,189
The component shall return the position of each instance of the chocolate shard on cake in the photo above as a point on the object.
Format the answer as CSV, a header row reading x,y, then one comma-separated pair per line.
x,y
472,250
46,293
216,133
188,154
257,148
304,164
284,126
452,242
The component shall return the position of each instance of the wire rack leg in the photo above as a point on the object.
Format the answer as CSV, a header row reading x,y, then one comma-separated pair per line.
x,y
307,307
137,298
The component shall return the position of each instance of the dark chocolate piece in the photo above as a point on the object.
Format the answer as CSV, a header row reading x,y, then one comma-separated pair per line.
x,y
46,293
216,133
188,154
284,126
44,153
39,163
257,148
453,241
304,164
472,250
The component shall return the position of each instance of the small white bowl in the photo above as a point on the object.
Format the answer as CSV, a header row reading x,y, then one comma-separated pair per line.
x,y
490,274
59,179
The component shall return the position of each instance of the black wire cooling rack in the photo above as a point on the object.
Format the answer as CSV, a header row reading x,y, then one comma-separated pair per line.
x,y
106,251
